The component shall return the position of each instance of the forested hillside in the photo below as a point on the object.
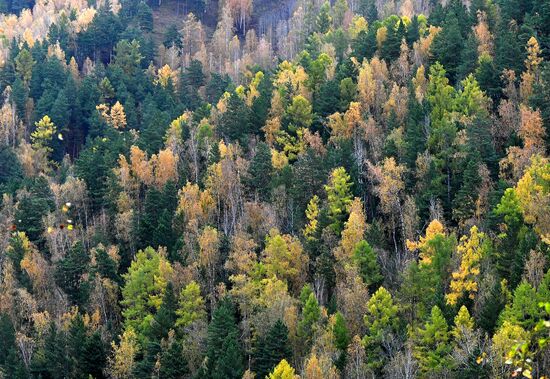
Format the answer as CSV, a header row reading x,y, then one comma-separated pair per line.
x,y
285,189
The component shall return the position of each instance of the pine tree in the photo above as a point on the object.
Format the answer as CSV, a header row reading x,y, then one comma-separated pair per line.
x,y
364,46
32,208
94,356
464,203
368,9
390,49
76,341
488,78
172,362
468,57
7,338
324,20
165,318
234,123
70,271
271,349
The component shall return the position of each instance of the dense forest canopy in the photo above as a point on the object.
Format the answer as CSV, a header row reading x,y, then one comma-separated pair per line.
x,y
282,189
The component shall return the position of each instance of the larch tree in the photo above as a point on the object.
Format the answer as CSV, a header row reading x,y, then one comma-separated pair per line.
x,y
142,294
339,197
382,329
471,251
432,346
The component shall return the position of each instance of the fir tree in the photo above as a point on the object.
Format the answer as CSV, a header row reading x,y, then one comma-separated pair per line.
x,y
70,271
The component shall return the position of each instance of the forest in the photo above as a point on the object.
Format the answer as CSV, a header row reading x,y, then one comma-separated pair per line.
x,y
302,189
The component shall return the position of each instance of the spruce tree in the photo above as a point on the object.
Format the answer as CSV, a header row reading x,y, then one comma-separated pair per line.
x,y
447,46
234,123
172,362
224,352
70,271
260,172
390,48
271,349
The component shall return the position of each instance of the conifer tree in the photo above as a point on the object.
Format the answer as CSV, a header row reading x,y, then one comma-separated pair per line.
x,y
271,349
447,46
432,346
339,198
224,353
382,323
365,258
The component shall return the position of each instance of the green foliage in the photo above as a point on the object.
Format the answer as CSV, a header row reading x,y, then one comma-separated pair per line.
x,y
144,288
191,306
339,198
311,315
365,258
432,345
224,354
382,324
260,172
70,274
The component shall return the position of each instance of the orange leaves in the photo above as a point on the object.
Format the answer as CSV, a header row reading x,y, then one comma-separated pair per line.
x,y
115,116
164,167
435,229
532,133
483,35
157,171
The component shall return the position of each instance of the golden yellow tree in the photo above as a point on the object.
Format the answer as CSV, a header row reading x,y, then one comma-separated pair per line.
x,y
122,361
465,278
312,214
284,258
434,229
43,134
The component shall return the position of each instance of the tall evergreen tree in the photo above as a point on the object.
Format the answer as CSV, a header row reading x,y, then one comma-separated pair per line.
x,y
224,352
271,349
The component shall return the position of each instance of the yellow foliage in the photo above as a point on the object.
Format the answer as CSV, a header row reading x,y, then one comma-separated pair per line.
x,y
435,229
465,279
278,159
312,213
354,230
164,75
43,134
381,35
533,192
